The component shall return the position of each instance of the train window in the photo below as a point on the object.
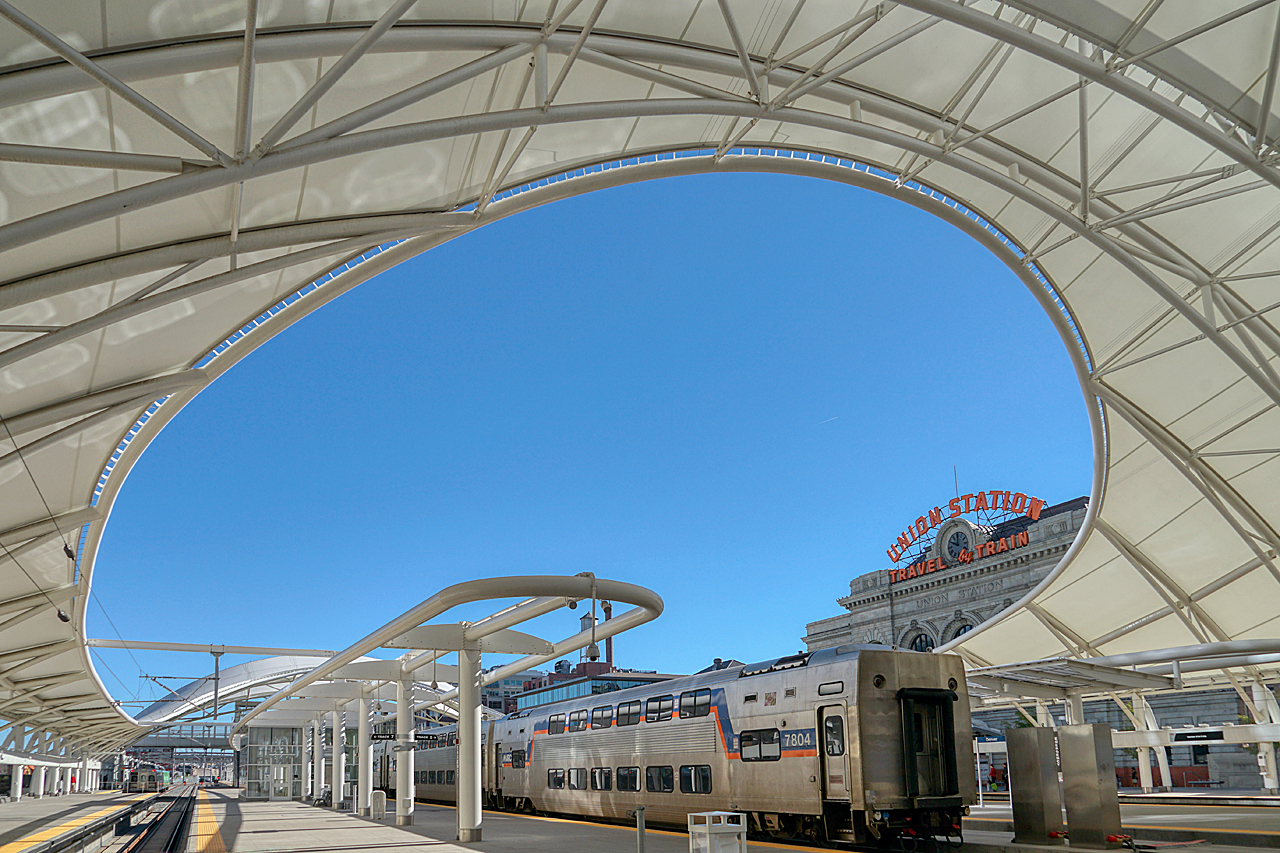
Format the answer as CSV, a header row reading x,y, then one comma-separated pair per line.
x,y
831,688
791,692
577,778
578,720
601,779
695,703
448,779
628,713
660,780
833,735
602,717
750,697
695,779
658,708
555,778
761,745
628,778
556,724
453,738
517,759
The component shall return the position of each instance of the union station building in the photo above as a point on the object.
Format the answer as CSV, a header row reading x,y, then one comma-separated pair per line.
x,y
968,563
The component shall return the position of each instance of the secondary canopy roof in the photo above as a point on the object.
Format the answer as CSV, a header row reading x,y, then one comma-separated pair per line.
x,y
180,181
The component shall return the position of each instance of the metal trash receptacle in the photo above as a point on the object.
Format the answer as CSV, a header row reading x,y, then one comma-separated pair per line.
x,y
717,832
378,805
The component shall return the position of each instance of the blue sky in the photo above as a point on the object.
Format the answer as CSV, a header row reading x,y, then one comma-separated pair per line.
x,y
733,389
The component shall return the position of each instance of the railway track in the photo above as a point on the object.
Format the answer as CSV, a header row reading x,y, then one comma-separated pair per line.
x,y
167,832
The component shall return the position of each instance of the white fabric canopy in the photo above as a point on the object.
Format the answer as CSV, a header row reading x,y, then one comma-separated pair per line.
x,y
177,185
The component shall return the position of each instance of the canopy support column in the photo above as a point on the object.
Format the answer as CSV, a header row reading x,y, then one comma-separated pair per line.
x,y
470,816
37,782
404,756
1266,702
335,763
364,759
1162,756
317,757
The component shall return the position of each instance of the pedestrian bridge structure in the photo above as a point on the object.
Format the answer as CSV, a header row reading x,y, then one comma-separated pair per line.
x,y
178,184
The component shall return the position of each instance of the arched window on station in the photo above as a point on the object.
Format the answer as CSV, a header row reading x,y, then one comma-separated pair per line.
x,y
921,642
963,629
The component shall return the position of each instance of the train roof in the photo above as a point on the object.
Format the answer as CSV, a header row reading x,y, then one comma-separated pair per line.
x,y
705,679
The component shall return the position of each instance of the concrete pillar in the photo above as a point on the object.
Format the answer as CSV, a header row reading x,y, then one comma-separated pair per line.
x,y
470,816
404,757
15,782
1162,756
306,766
1265,700
364,758
83,778
37,782
1043,717
335,761
65,787
1075,709
317,757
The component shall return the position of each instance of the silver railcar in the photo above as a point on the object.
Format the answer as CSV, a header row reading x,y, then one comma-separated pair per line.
x,y
853,744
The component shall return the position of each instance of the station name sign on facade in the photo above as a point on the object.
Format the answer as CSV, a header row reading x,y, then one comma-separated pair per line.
x,y
991,501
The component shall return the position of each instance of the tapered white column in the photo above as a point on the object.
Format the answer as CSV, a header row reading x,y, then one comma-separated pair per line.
x,y
37,782
364,758
470,815
317,757
66,780
335,764
15,782
404,755
83,778
1265,700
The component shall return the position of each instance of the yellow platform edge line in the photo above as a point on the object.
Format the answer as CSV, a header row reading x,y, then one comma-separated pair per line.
x,y
205,835
53,832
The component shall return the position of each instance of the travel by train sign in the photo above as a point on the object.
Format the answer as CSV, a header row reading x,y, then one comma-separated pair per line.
x,y
965,555
958,548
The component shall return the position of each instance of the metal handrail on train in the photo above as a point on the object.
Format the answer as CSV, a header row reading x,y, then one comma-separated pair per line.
x,y
183,802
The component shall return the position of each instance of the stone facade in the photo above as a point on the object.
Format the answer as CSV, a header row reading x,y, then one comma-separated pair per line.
x,y
939,604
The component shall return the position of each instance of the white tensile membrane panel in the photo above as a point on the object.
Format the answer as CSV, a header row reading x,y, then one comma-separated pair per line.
x,y
180,182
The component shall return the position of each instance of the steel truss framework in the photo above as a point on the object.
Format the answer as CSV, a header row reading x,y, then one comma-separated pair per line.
x,y
175,189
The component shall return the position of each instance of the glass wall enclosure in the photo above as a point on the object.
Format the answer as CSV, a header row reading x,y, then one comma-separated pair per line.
x,y
274,760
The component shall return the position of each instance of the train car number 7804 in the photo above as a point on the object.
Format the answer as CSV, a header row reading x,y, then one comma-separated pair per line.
x,y
802,739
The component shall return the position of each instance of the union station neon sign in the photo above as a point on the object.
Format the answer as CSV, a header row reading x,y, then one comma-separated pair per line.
x,y
995,500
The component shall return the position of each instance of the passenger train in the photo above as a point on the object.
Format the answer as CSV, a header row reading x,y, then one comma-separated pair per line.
x,y
853,744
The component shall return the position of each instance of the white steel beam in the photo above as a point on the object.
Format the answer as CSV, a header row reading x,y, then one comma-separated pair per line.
x,y
740,46
394,103
210,649
89,159
1269,88
147,389
330,77
1192,33
97,72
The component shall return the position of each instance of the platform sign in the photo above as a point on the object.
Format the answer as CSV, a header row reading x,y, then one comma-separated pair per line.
x,y
382,736
1183,737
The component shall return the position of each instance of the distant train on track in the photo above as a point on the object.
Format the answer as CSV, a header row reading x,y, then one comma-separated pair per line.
x,y
147,781
854,744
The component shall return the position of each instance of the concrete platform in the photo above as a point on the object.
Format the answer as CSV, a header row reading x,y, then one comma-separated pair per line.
x,y
230,825
1254,825
30,821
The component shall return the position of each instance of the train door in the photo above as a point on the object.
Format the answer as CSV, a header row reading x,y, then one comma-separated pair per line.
x,y
928,740
833,752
